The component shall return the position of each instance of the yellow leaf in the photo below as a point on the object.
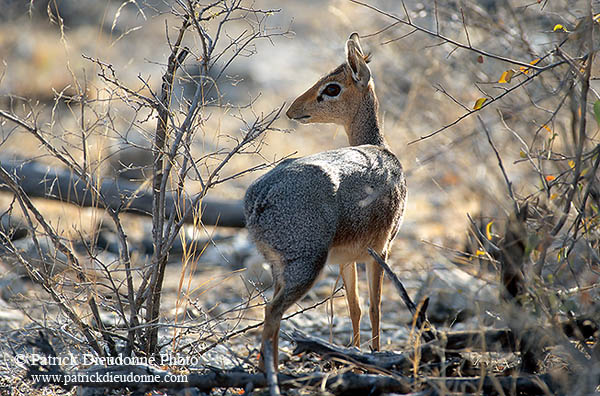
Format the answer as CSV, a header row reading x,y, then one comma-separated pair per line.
x,y
526,70
506,77
478,103
572,164
522,154
553,196
549,178
479,253
546,127
488,230
558,26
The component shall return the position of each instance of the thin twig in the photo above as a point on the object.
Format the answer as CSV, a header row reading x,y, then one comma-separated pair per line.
x,y
501,165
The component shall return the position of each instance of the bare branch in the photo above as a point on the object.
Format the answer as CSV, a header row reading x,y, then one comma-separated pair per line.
x,y
454,42
501,165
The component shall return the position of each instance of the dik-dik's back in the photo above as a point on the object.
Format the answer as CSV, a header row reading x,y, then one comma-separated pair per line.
x,y
331,206
349,197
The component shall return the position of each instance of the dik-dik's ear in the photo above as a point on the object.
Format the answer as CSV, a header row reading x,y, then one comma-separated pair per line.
x,y
357,60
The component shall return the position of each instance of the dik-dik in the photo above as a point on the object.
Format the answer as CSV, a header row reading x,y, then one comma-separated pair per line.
x,y
330,206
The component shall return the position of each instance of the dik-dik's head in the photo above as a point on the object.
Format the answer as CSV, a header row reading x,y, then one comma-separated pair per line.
x,y
336,97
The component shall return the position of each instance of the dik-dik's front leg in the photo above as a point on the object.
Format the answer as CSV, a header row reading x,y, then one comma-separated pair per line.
x,y
375,278
348,271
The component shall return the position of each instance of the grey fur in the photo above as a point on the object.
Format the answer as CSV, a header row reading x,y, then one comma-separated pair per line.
x,y
306,205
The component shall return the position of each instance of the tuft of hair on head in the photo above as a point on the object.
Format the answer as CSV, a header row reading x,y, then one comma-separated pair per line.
x,y
367,58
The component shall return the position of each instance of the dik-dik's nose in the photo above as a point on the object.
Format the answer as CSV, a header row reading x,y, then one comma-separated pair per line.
x,y
297,114
290,113
294,111
298,109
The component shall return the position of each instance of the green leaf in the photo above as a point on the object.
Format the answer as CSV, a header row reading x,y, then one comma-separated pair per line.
x,y
597,111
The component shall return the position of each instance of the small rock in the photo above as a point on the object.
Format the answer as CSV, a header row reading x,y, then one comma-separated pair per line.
x,y
12,284
12,227
232,251
112,320
9,314
189,392
455,295
283,357
51,261
258,273
132,158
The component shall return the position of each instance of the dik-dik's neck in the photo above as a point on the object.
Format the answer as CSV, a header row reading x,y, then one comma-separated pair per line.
x,y
364,128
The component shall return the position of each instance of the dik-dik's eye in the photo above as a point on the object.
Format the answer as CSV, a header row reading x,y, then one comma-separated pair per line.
x,y
332,90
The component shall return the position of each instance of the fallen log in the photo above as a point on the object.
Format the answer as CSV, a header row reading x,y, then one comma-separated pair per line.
x,y
381,360
491,340
145,378
40,180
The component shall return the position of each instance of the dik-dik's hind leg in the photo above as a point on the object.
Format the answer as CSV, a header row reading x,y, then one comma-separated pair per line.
x,y
375,278
296,278
273,315
348,271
